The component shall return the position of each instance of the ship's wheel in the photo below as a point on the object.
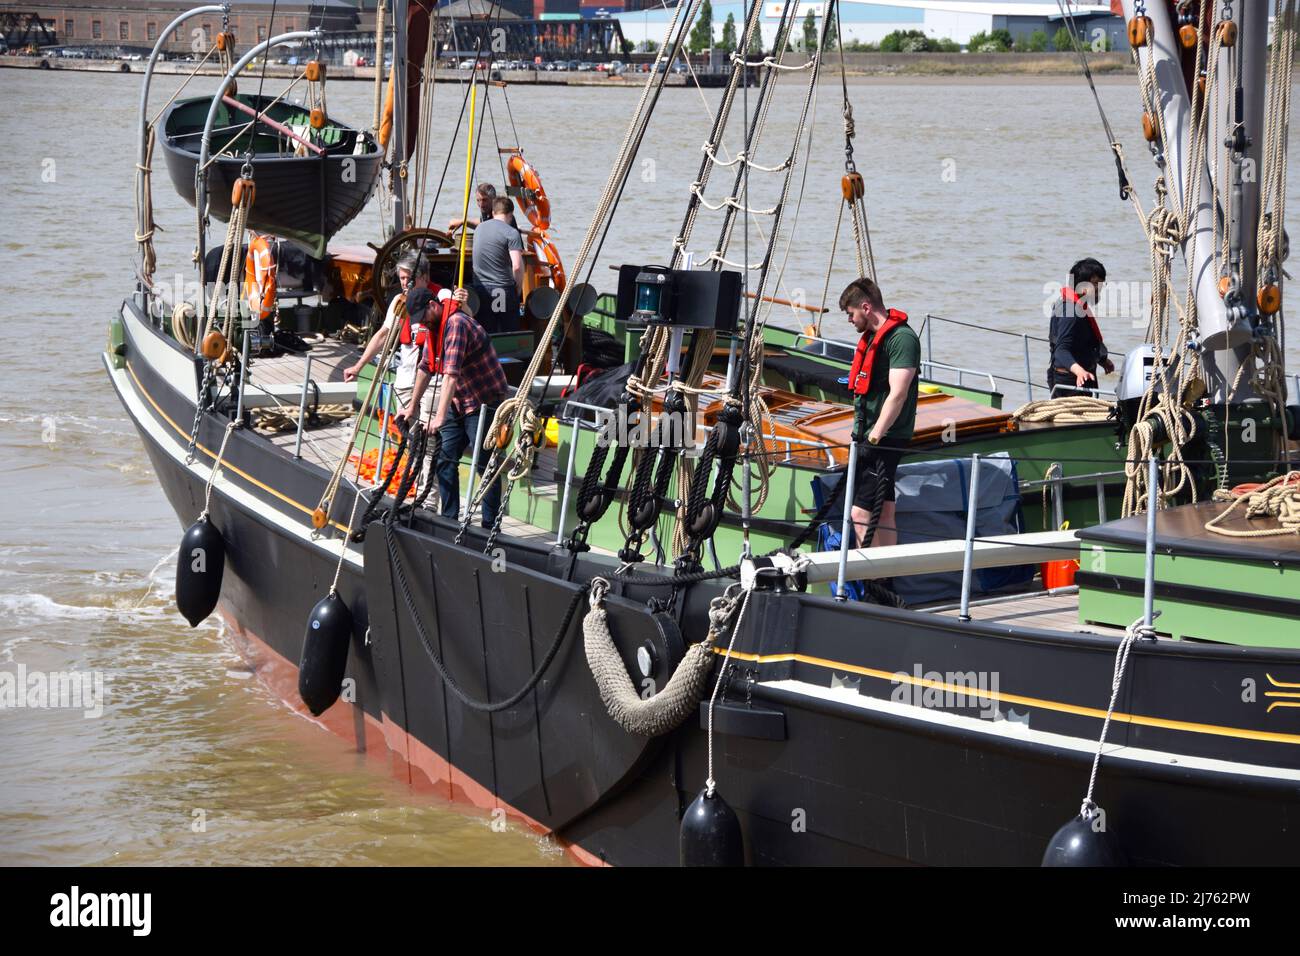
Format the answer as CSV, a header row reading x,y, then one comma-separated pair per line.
x,y
427,243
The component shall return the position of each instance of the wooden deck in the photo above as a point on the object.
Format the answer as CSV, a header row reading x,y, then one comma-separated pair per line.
x,y
1050,611
324,444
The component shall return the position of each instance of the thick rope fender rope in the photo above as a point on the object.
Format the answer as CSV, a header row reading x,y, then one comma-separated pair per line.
x,y
679,698
1067,410
1278,498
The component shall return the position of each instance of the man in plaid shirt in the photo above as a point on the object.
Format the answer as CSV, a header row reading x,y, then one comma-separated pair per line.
x,y
473,385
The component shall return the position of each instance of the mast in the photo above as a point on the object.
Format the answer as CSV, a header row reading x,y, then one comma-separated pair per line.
x,y
400,84
1231,169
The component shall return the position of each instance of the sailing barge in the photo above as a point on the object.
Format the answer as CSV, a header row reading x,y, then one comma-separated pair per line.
x,y
592,696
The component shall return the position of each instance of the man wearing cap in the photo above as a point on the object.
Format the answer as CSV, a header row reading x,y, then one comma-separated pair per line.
x,y
473,385
416,296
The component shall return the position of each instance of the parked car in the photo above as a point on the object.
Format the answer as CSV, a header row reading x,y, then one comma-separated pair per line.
x,y
616,68
586,67
550,66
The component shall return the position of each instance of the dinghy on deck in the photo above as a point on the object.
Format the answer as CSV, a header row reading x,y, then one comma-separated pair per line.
x,y
310,182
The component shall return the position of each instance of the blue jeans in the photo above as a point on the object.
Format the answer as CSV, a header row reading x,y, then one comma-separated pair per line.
x,y
457,432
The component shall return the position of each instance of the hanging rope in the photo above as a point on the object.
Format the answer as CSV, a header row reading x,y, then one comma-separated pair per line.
x,y
1135,630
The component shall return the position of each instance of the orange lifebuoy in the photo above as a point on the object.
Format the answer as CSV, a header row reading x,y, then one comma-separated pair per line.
x,y
547,252
527,185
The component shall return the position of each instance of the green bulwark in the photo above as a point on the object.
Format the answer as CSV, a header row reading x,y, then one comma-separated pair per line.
x,y
1209,587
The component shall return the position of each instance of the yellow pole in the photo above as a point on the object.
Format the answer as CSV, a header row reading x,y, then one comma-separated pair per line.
x,y
469,171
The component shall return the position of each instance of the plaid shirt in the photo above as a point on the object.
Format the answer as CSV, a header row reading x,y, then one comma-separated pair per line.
x,y
467,353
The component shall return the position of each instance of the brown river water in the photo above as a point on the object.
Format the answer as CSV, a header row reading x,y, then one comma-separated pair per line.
x,y
982,192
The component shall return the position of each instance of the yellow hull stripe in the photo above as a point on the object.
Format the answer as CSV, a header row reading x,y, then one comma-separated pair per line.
x,y
213,455
1240,733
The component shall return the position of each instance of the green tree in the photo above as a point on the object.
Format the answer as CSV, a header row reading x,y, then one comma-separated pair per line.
x,y
905,41
650,46
999,41
1037,42
809,32
945,45
702,32
628,46
756,41
729,33
1063,41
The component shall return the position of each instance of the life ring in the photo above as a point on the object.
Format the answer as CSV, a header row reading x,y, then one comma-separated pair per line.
x,y
546,252
527,186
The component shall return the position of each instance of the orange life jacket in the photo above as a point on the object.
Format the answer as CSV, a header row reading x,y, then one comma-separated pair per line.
x,y
865,355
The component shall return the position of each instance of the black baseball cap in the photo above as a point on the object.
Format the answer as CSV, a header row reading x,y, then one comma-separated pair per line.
x,y
417,303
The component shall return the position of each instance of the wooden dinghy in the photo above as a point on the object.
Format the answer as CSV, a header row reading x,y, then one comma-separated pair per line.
x,y
310,182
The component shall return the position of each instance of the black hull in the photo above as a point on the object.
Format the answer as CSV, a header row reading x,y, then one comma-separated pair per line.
x,y
814,749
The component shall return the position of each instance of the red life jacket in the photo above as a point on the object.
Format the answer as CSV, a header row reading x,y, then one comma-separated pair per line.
x,y
433,353
1072,297
421,330
865,355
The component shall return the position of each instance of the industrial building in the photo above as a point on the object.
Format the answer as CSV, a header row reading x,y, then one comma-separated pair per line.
x,y
870,22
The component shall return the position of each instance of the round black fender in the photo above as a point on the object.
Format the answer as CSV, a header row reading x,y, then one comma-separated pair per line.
x,y
711,834
199,567
324,653
1080,843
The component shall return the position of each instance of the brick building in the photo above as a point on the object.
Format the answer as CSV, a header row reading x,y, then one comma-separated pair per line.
x,y
135,25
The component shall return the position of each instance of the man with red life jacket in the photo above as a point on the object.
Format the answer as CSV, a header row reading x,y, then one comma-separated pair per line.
x,y
884,387
1074,336
473,385
409,310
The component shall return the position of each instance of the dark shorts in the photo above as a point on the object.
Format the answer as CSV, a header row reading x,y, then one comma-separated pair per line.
x,y
876,464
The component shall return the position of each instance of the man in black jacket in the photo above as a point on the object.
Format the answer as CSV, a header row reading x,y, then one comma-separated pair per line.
x,y
1075,339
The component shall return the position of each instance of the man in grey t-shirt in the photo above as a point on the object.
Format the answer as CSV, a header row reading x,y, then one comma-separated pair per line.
x,y
498,269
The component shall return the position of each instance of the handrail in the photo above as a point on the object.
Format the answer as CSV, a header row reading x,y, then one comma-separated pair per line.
x,y
224,10
205,145
982,328
961,373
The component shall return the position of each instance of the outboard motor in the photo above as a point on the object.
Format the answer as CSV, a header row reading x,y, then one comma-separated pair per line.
x,y
1134,377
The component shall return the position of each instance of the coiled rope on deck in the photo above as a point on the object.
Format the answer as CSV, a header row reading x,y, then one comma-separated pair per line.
x,y
1278,498
1066,410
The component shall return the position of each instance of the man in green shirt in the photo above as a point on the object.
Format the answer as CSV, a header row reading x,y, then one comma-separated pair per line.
x,y
884,387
